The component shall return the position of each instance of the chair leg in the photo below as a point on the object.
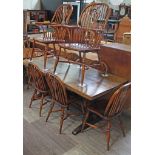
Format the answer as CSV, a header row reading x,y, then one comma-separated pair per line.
x,y
29,82
84,121
32,98
108,134
121,125
41,104
62,119
50,111
82,108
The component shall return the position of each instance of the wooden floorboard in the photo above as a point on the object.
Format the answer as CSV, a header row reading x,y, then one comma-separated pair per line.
x,y
41,138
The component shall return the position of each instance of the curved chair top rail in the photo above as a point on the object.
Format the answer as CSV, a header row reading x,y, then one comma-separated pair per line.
x,y
95,16
57,89
117,101
62,14
38,78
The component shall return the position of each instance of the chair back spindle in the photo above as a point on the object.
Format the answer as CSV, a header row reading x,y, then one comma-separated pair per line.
x,y
117,101
38,78
95,16
57,89
62,14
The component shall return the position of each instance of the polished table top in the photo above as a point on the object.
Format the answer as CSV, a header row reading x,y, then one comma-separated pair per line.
x,y
96,84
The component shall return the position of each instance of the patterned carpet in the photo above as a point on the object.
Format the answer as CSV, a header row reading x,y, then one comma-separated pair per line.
x,y
41,138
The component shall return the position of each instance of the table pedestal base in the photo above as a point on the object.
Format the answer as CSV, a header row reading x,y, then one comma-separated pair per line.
x,y
91,120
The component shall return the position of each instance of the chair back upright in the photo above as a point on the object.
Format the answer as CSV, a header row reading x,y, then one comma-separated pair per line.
x,y
117,101
38,78
95,16
62,14
57,89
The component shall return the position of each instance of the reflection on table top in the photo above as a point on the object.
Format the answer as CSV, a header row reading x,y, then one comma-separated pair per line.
x,y
96,84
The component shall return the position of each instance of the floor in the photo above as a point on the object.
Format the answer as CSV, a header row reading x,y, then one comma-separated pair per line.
x,y
41,138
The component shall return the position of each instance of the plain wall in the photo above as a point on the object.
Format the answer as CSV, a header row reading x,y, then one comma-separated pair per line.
x,y
50,4
31,4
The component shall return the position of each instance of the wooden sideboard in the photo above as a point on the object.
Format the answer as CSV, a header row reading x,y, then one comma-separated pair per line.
x,y
118,58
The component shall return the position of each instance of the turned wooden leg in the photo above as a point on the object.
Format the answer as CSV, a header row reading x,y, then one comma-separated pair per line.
x,y
50,111
83,69
84,121
83,74
28,83
34,42
32,98
108,134
41,104
62,119
121,125
45,55
57,61
82,108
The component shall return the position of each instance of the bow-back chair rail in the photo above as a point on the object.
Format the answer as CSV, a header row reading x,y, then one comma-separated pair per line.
x,y
95,16
117,102
57,89
62,14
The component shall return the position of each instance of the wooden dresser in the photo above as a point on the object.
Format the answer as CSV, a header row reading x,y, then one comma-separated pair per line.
x,y
118,58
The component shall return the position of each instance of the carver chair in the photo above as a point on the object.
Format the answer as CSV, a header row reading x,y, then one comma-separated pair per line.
x,y
113,109
62,14
60,96
41,87
95,16
82,41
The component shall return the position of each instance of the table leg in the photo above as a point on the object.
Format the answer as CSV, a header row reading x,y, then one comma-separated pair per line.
x,y
83,74
32,50
83,69
45,55
57,60
90,120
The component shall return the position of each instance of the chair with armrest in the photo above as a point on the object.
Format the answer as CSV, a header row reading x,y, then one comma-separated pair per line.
x,y
62,14
95,16
113,109
83,40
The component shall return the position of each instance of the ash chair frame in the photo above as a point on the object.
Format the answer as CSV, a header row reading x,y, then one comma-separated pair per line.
x,y
41,88
114,109
95,16
62,14
59,95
